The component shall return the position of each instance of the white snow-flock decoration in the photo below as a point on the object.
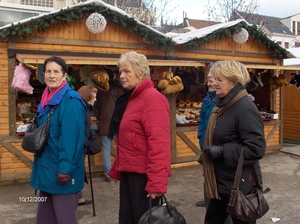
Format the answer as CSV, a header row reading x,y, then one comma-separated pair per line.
x,y
96,23
241,37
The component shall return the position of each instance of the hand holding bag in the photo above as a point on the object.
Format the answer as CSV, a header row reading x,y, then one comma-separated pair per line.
x,y
246,207
36,138
162,213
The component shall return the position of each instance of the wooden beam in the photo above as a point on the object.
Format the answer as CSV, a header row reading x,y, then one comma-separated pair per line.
x,y
17,153
180,165
272,132
188,142
13,138
273,67
79,60
187,159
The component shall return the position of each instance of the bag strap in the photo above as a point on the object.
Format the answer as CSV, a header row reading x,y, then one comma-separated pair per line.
x,y
51,113
238,174
163,200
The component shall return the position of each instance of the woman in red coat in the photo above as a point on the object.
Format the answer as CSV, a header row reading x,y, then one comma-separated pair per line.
x,y
141,124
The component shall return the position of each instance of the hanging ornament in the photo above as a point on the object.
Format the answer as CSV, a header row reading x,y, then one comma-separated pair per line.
x,y
96,23
241,37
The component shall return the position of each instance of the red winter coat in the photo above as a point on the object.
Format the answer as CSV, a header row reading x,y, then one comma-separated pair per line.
x,y
143,141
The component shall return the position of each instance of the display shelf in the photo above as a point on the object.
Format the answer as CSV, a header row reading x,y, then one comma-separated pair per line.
x,y
188,124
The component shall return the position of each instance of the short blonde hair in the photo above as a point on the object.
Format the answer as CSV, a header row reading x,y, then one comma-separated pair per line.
x,y
138,62
87,92
234,71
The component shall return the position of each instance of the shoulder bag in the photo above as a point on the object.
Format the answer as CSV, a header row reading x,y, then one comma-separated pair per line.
x,y
36,138
162,213
94,144
248,207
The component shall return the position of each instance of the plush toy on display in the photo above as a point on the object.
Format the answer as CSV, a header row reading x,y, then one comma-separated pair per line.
x,y
100,79
169,83
85,74
277,82
295,80
21,79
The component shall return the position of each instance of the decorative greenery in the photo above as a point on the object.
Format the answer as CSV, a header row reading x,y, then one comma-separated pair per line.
x,y
71,81
255,33
64,16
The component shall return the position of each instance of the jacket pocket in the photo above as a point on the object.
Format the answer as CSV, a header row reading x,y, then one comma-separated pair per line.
x,y
48,174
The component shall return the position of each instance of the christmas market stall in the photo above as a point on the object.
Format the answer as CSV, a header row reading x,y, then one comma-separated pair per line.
x,y
91,36
234,40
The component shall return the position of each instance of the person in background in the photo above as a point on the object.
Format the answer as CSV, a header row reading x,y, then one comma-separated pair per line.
x,y
59,172
103,110
141,124
88,94
206,109
234,123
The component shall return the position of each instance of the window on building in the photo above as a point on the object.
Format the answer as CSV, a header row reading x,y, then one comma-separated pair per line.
x,y
279,43
298,28
8,17
286,45
294,27
42,3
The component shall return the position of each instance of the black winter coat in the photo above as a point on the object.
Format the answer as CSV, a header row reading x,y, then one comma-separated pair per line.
x,y
240,126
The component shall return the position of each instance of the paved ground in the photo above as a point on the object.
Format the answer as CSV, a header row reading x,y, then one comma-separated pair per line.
x,y
281,172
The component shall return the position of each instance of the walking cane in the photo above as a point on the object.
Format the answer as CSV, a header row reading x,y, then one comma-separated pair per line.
x,y
91,183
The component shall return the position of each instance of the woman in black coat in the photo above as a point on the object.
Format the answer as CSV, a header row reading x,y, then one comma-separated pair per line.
x,y
235,123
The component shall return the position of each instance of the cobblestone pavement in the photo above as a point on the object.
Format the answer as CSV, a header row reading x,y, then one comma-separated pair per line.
x,y
281,173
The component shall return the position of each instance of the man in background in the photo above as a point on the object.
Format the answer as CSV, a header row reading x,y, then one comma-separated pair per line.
x,y
103,110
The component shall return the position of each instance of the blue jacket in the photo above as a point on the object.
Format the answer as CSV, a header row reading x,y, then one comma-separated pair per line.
x,y
206,109
65,151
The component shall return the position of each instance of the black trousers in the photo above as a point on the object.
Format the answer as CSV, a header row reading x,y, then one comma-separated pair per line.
x,y
216,212
133,197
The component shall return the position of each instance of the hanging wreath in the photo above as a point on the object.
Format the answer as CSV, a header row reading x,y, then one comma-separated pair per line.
x,y
241,37
96,23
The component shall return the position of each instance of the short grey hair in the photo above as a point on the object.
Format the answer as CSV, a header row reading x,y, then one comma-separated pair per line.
x,y
234,71
138,62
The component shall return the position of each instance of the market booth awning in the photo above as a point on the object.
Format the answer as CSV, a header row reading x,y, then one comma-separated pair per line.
x,y
273,67
80,60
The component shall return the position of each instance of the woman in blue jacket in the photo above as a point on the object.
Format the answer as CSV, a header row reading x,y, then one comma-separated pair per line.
x,y
206,109
59,172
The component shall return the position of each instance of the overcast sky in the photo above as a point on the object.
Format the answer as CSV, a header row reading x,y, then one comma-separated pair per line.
x,y
195,8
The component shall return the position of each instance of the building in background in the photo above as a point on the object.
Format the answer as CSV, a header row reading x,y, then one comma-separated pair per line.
x,y
16,10
284,31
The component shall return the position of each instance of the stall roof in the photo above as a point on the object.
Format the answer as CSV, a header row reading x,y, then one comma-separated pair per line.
x,y
186,37
90,2
74,60
115,15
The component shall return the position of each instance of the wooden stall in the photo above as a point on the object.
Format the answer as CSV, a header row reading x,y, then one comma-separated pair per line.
x,y
64,33
291,108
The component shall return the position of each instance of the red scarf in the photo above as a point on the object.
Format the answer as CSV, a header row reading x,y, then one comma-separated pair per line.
x,y
47,96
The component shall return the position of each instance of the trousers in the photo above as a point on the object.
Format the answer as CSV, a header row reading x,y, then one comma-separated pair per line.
x,y
57,208
106,151
133,197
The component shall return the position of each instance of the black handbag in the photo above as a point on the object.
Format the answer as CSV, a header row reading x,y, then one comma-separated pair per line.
x,y
248,207
36,138
94,144
164,213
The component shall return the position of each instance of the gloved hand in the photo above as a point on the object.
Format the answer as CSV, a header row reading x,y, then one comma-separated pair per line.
x,y
63,178
214,151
